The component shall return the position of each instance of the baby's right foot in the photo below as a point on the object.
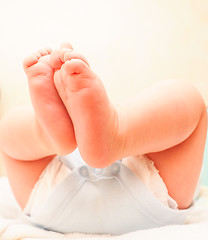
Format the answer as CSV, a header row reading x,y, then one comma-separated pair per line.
x,y
51,114
94,117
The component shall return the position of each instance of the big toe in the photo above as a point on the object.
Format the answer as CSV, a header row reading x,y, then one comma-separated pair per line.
x,y
78,75
77,66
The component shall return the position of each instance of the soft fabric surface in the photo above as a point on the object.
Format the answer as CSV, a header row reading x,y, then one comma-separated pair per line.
x,y
13,227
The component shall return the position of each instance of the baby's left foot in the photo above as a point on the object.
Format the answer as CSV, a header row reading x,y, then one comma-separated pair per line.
x,y
50,112
94,117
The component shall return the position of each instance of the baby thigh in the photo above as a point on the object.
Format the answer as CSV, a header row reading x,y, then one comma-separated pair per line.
x,y
180,166
23,176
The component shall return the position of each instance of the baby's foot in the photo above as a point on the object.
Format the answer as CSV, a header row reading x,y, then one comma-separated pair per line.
x,y
94,117
50,111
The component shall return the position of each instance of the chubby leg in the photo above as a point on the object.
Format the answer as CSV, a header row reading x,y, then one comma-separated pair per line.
x,y
166,121
50,111
170,128
31,137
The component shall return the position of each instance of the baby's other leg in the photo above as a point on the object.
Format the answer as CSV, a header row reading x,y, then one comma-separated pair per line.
x,y
50,111
30,138
168,123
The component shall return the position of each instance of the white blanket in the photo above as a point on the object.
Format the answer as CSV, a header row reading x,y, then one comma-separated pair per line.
x,y
12,227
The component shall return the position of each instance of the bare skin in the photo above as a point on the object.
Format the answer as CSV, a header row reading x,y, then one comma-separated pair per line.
x,y
166,121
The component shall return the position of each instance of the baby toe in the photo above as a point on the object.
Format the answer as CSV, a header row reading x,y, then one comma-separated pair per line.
x,y
69,55
55,60
75,66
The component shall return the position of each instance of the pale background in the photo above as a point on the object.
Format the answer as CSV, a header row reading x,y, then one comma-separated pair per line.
x,y
129,43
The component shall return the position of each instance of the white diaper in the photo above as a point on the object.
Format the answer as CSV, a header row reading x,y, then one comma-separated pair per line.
x,y
56,172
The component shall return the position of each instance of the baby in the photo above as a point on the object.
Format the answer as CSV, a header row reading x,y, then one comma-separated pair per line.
x,y
138,163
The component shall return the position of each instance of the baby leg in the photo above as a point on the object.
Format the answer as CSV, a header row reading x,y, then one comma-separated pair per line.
x,y
94,117
166,121
50,111
30,138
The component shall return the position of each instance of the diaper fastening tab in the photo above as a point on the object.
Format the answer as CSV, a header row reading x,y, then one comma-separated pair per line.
x,y
115,168
83,171
98,171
